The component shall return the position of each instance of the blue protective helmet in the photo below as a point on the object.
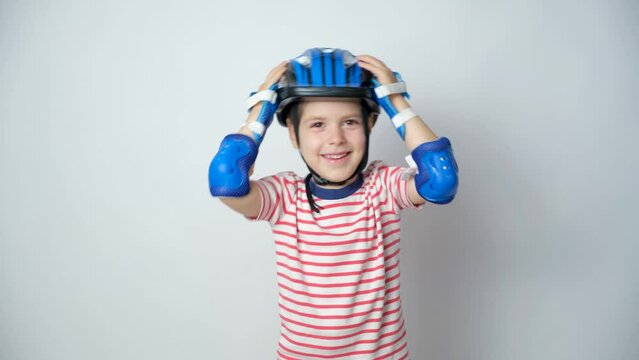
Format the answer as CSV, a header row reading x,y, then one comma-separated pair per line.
x,y
325,72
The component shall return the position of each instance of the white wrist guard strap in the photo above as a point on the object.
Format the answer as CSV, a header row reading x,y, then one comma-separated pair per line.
x,y
389,89
403,116
256,127
264,95
411,162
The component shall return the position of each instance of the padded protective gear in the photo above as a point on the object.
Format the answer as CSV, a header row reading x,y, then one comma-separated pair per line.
x,y
270,102
325,72
228,172
436,178
382,93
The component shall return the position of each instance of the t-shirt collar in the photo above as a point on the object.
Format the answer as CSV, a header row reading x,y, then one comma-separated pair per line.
x,y
334,194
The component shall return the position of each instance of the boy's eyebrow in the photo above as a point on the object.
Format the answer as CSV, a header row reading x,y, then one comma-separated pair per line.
x,y
320,117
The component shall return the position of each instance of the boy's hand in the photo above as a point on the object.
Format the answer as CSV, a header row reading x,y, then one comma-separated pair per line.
x,y
274,75
260,118
385,76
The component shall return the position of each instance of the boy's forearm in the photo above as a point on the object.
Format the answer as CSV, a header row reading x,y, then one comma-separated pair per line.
x,y
436,178
417,132
252,116
232,165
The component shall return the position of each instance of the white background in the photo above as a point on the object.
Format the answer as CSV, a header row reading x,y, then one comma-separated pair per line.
x,y
112,248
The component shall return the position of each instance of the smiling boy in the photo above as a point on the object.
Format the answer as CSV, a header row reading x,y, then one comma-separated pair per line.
x,y
337,231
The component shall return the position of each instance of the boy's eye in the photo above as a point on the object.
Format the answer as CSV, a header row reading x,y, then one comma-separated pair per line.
x,y
351,122
316,124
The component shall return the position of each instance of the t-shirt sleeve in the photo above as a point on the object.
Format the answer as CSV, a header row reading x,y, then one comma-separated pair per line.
x,y
277,193
396,181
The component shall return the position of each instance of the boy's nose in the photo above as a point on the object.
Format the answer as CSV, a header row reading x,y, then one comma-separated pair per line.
x,y
336,135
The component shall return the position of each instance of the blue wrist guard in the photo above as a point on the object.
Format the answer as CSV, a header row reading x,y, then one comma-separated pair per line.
x,y
382,93
436,178
228,172
270,102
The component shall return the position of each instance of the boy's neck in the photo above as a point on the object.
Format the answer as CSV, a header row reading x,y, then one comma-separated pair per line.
x,y
350,181
332,192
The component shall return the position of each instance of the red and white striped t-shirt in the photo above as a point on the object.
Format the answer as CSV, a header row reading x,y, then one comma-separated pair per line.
x,y
338,271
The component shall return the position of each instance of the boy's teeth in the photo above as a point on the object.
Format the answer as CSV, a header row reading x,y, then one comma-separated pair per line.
x,y
335,157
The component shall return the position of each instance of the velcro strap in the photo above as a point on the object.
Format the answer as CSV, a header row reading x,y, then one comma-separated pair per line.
x,y
256,127
403,116
411,162
264,95
389,89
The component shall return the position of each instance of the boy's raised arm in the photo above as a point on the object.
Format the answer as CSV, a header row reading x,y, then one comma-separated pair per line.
x,y
232,166
436,180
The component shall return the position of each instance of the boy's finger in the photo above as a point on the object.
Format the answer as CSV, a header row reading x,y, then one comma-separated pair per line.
x,y
280,67
367,63
372,68
277,72
277,75
376,70
369,67
372,60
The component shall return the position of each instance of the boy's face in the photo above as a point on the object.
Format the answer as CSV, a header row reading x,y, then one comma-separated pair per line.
x,y
332,138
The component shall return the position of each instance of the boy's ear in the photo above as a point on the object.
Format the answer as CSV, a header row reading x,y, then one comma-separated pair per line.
x,y
291,134
371,122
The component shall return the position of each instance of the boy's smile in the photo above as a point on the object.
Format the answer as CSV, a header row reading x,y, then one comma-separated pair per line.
x,y
332,138
336,158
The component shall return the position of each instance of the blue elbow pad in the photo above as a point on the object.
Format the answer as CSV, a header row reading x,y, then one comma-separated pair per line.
x,y
228,172
436,180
